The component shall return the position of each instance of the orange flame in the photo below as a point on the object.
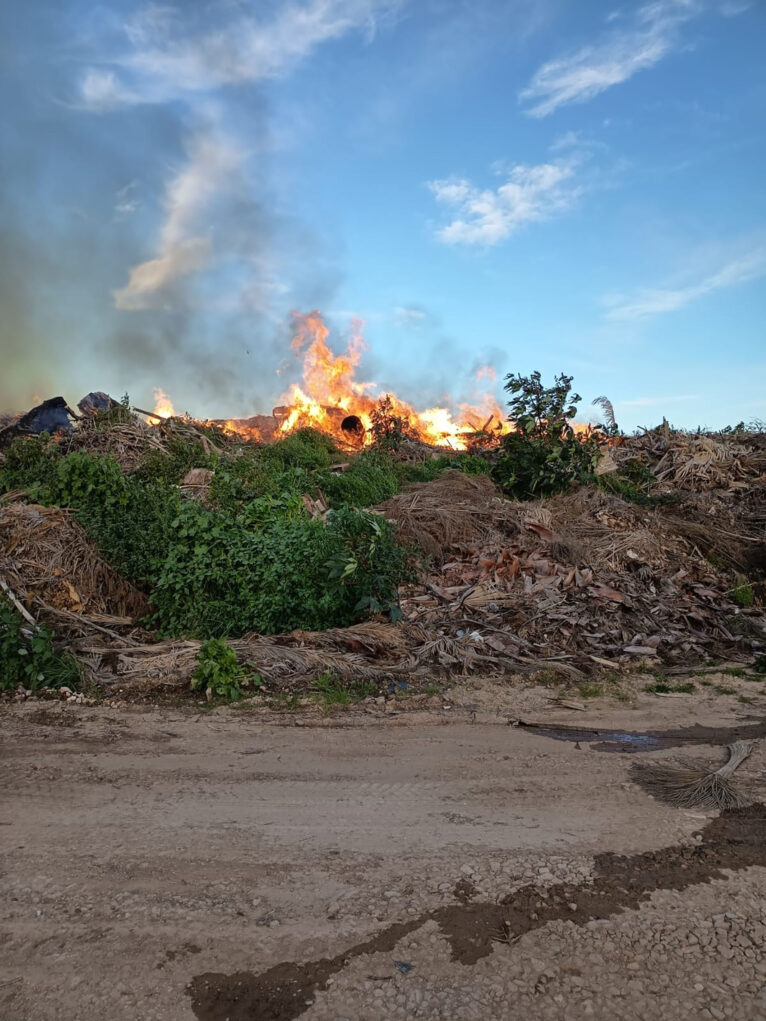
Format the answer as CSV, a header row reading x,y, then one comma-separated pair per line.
x,y
330,395
163,406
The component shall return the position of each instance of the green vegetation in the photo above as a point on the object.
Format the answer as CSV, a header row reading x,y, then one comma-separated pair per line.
x,y
744,595
219,674
630,483
28,657
252,560
665,688
543,456
334,692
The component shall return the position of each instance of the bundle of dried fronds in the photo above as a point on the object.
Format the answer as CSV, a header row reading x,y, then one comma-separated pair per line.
x,y
705,462
695,788
127,442
49,561
372,650
454,510
605,532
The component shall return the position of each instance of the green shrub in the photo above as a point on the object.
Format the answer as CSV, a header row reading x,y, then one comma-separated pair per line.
x,y
542,456
631,482
31,463
29,658
171,466
130,520
370,479
367,564
427,471
219,674
304,448
744,595
221,578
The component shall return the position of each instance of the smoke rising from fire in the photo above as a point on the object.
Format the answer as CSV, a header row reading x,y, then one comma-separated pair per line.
x,y
172,257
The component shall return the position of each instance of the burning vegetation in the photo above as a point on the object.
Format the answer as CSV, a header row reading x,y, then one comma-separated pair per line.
x,y
331,399
359,536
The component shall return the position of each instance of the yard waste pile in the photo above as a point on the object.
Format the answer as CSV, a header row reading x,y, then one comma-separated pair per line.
x,y
133,544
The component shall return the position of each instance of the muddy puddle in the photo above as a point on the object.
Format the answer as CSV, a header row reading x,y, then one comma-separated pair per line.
x,y
735,840
648,740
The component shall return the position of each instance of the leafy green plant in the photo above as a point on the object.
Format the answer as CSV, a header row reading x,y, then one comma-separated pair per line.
x,y
370,479
388,428
543,455
28,656
304,448
219,674
744,595
31,463
368,564
631,482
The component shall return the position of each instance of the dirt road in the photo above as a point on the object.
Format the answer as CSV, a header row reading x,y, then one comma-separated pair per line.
x,y
166,864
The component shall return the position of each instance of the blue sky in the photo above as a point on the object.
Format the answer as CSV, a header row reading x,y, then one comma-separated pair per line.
x,y
542,185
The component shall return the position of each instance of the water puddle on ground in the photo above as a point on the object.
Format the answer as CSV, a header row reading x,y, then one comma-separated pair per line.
x,y
648,740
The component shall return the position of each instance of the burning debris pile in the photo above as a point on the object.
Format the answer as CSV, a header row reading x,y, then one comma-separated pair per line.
x,y
137,536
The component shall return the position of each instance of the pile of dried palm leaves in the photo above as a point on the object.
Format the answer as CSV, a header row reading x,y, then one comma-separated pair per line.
x,y
130,440
587,579
455,510
48,560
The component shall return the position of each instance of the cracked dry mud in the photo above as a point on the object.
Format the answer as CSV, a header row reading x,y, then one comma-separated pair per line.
x,y
162,864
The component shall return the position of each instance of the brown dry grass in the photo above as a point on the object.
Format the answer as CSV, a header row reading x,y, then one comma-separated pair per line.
x,y
46,558
455,510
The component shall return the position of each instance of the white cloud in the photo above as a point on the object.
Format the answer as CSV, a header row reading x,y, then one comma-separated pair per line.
x,y
490,215
184,243
100,91
127,201
168,59
640,43
409,317
652,302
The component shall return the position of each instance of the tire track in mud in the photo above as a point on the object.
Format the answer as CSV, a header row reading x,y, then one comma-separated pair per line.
x,y
735,840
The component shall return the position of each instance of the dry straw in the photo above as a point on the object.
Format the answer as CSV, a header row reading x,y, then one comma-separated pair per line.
x,y
696,788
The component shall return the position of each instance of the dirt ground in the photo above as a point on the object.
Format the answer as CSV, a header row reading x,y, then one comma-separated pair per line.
x,y
166,864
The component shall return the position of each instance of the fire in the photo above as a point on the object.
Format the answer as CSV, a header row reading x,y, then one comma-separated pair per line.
x,y
331,399
163,406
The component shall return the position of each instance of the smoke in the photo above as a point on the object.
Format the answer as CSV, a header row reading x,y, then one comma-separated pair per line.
x,y
143,243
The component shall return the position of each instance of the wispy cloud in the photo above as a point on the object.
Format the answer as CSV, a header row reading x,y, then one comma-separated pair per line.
x,y
126,199
487,216
169,55
637,44
409,316
652,302
184,243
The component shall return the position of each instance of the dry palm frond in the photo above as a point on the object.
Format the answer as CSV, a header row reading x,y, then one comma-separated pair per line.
x,y
695,788
452,510
608,408
47,559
